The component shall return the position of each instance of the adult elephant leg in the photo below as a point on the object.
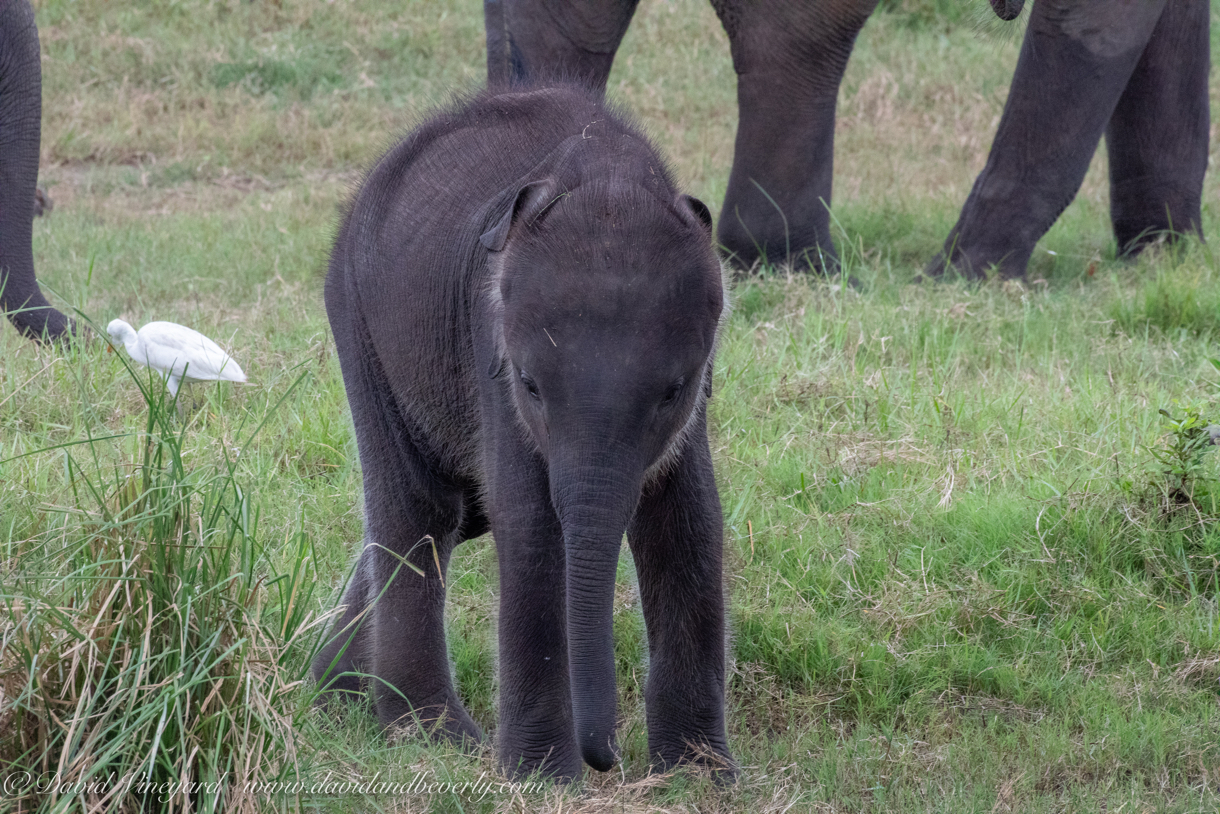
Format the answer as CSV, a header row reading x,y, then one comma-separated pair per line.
x,y
789,56
676,539
1157,138
554,39
20,134
536,731
1074,64
393,627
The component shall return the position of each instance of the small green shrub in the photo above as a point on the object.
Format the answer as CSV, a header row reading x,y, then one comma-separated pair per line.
x,y
1182,456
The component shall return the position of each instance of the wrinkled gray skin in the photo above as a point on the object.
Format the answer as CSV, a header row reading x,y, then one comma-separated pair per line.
x,y
20,132
1133,69
525,310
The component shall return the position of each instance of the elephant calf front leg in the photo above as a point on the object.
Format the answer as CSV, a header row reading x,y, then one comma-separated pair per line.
x,y
536,730
676,539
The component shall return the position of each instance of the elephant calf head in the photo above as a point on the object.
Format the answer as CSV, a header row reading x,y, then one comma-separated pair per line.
x,y
606,302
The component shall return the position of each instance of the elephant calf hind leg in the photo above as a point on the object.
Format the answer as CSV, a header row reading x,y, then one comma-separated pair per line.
x,y
338,665
391,639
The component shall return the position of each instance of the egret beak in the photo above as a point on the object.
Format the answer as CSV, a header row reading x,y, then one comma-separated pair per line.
x,y
109,348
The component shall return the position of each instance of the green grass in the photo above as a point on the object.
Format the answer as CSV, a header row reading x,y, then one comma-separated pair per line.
x,y
965,571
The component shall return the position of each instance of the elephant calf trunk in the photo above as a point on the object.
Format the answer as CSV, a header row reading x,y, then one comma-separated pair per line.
x,y
594,508
590,583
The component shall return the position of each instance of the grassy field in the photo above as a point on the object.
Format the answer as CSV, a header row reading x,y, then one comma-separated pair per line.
x,y
972,565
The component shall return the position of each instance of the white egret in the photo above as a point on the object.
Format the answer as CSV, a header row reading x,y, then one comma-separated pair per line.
x,y
176,352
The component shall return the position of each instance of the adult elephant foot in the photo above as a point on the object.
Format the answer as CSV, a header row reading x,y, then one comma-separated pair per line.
x,y
777,207
755,229
32,314
978,261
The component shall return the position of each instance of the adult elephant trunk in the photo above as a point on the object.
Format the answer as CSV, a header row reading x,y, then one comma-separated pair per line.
x,y
20,134
594,500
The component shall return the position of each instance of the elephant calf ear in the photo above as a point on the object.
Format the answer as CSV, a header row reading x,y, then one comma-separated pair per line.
x,y
530,203
694,211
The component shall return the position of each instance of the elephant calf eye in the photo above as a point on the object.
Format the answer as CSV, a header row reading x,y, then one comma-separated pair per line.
x,y
530,387
671,395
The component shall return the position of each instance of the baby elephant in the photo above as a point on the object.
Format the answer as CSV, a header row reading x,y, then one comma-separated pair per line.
x,y
526,310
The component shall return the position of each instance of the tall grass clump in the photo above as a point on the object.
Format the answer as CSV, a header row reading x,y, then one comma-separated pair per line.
x,y
150,648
